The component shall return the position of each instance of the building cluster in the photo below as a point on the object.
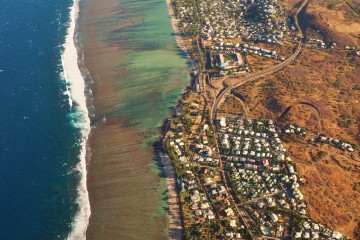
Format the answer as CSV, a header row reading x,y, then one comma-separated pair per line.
x,y
262,176
205,199
291,129
236,180
250,20
199,209
329,45
308,229
236,26
319,43
334,142
247,49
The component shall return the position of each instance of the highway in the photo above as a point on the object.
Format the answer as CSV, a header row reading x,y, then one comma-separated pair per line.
x,y
255,76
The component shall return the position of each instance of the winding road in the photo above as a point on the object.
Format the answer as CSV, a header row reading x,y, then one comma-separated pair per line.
x,y
255,76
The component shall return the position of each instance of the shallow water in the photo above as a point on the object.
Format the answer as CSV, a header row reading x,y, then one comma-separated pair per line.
x,y
138,73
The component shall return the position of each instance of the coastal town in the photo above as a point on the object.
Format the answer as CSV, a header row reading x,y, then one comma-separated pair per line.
x,y
234,176
236,180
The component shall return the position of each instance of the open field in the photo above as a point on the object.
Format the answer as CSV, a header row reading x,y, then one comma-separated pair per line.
x,y
327,79
330,185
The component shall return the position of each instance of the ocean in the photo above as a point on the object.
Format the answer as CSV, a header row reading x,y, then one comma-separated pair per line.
x,y
137,74
43,123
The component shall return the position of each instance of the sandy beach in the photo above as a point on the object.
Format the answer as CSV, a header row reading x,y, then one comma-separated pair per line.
x,y
181,42
175,218
174,22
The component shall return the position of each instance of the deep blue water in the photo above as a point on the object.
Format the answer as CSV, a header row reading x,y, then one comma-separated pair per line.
x,y
38,147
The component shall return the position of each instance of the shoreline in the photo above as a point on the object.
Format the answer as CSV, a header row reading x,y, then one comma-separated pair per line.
x,y
175,217
77,89
179,39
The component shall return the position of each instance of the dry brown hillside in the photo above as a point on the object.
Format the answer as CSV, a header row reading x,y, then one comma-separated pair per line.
x,y
337,20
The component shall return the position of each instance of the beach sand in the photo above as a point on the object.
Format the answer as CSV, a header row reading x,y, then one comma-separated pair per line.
x,y
174,212
181,42
126,183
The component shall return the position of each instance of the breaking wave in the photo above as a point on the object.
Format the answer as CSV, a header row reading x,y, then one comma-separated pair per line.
x,y
77,92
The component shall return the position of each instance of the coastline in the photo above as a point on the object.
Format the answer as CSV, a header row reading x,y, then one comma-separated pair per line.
x,y
175,219
174,207
179,39
77,89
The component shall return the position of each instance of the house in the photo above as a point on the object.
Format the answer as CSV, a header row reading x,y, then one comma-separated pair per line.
x,y
204,205
229,212
302,211
265,162
221,189
281,157
336,235
261,205
229,234
195,198
208,180
199,146
233,223
315,235
315,227
222,122
198,212
178,152
291,169
306,225
274,217
210,215
225,143
298,235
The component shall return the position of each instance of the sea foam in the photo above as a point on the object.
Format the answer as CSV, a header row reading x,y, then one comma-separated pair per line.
x,y
79,117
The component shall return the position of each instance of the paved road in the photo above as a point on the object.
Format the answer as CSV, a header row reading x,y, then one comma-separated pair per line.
x,y
255,76
252,77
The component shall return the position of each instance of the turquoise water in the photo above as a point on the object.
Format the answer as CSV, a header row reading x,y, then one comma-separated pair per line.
x,y
139,73
158,69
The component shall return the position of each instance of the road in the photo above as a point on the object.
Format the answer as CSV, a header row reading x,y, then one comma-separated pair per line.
x,y
250,78
255,76
263,197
